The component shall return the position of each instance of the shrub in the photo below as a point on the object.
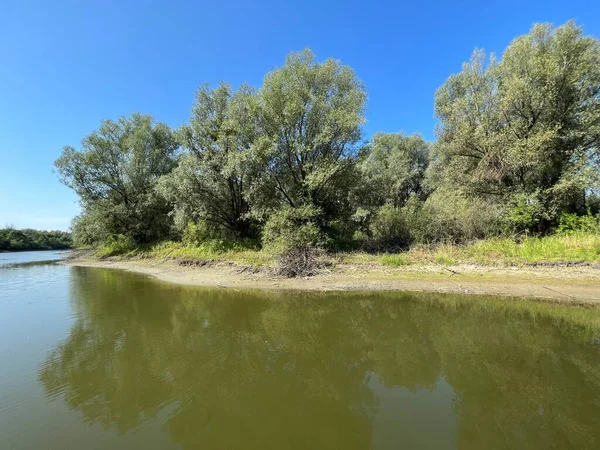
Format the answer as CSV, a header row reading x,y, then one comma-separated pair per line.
x,y
528,213
295,236
115,245
292,228
452,217
389,229
195,234
572,223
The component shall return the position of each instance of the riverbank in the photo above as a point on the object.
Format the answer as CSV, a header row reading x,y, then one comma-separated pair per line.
x,y
572,284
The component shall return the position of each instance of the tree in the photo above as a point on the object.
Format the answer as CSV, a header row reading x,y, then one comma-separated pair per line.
x,y
28,239
211,180
394,167
115,175
310,120
526,130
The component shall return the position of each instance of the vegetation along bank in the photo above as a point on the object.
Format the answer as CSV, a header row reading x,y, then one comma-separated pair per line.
x,y
12,240
281,176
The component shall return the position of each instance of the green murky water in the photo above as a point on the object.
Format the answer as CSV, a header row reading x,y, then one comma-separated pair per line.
x,y
92,358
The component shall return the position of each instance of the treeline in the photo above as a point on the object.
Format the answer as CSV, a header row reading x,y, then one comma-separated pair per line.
x,y
17,240
285,164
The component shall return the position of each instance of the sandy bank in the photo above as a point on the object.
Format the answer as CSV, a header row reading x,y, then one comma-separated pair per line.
x,y
566,284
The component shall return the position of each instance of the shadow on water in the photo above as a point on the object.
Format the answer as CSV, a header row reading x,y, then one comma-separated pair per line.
x,y
228,369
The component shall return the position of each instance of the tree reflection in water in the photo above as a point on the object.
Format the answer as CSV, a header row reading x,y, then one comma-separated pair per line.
x,y
229,369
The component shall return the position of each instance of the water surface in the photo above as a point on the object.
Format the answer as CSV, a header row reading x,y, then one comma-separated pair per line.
x,y
13,258
93,358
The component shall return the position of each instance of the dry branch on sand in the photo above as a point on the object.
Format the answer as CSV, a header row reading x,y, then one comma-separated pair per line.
x,y
302,261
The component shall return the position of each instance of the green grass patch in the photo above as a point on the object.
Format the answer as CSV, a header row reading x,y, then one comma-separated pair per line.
x,y
397,260
243,251
443,257
573,247
576,247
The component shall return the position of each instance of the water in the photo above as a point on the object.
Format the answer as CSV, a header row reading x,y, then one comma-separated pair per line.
x,y
99,359
12,258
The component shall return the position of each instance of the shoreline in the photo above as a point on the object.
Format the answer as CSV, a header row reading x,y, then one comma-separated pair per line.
x,y
568,285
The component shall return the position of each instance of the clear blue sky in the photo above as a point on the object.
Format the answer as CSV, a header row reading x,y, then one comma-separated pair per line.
x,y
66,65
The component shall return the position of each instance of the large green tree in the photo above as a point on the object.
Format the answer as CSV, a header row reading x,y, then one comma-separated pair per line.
x,y
525,130
311,115
212,178
115,174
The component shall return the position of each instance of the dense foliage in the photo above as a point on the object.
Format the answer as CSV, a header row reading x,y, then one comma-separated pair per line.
x,y
286,164
525,131
115,176
17,240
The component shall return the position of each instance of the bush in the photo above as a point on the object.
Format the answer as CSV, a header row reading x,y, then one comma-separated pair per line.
x,y
454,218
208,249
528,213
292,228
389,229
295,236
195,234
572,223
446,217
115,245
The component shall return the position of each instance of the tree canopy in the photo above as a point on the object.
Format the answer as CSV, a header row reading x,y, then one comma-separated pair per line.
x,y
525,129
12,239
210,183
395,167
115,175
287,163
310,119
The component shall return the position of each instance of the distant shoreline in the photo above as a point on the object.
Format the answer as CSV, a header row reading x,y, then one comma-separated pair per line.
x,y
568,285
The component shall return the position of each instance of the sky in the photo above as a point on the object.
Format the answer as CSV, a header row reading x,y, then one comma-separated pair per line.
x,y
67,65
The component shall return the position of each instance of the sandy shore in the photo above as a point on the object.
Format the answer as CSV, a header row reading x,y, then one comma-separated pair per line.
x,y
579,284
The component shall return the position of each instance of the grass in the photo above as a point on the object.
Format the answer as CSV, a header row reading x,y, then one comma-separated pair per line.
x,y
396,260
575,247
567,248
557,248
243,252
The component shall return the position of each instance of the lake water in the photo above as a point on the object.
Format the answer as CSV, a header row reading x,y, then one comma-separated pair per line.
x,y
100,359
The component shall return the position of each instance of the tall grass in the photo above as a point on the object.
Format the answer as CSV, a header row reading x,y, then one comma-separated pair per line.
x,y
574,247
242,251
397,260
568,248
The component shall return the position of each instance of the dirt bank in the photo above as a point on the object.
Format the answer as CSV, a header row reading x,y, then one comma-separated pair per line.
x,y
566,284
